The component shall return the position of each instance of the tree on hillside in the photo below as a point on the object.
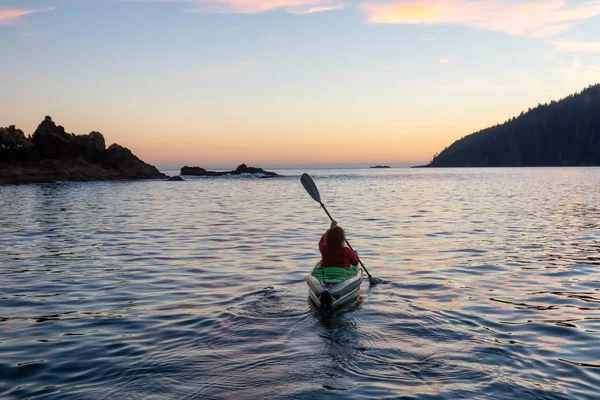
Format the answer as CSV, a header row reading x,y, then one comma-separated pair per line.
x,y
559,133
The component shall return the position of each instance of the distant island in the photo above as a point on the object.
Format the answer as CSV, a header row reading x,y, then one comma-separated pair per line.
x,y
561,133
241,169
51,155
380,166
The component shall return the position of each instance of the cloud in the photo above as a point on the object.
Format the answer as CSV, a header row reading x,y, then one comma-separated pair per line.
x,y
316,9
565,46
551,30
539,18
10,15
256,6
444,60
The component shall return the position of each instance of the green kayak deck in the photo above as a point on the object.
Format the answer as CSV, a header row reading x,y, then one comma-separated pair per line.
x,y
333,274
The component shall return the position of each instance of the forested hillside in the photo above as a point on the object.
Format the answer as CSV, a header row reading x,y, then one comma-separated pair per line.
x,y
561,133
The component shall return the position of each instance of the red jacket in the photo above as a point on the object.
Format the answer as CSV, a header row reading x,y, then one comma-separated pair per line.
x,y
337,257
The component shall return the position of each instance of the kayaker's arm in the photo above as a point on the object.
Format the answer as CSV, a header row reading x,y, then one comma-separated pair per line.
x,y
322,244
354,260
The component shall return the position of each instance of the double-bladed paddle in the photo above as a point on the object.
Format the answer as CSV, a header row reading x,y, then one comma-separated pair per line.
x,y
312,190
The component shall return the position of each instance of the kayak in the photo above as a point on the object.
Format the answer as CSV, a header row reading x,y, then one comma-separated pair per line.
x,y
331,287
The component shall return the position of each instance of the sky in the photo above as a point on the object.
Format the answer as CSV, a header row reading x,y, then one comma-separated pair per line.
x,y
215,83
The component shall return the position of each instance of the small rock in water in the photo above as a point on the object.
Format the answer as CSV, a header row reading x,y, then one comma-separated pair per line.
x,y
241,169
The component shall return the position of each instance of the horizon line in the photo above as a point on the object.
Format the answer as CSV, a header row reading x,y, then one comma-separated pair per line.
x,y
293,166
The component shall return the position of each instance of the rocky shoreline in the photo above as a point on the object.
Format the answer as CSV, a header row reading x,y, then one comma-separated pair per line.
x,y
51,154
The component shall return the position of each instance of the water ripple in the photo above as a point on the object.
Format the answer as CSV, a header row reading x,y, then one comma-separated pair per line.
x,y
487,287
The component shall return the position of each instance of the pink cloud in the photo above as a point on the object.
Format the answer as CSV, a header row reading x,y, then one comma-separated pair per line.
x,y
257,6
538,18
315,9
9,15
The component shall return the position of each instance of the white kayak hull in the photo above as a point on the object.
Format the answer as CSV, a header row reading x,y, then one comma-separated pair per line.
x,y
342,293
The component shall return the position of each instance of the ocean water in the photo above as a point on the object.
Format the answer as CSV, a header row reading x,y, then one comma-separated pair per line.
x,y
489,288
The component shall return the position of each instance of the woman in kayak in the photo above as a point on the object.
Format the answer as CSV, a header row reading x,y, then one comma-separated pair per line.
x,y
333,251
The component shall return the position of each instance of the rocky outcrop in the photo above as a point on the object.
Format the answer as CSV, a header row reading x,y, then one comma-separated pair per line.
x,y
380,166
121,159
52,154
12,137
197,171
15,147
176,178
241,169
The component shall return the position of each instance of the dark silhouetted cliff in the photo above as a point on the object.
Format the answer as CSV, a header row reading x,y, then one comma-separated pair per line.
x,y
51,154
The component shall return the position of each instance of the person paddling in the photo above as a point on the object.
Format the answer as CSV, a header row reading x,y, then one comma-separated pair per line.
x,y
333,251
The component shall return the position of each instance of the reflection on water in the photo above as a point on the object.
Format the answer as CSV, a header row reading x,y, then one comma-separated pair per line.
x,y
196,289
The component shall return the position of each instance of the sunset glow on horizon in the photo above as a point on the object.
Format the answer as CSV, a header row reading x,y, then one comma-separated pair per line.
x,y
289,82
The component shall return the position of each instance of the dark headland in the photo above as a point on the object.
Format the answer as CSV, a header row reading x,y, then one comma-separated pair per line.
x,y
561,133
51,155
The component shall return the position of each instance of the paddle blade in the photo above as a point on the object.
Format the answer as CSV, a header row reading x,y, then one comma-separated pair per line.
x,y
376,281
310,187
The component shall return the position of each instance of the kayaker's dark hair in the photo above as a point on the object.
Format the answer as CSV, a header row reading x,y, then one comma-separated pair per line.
x,y
335,237
326,301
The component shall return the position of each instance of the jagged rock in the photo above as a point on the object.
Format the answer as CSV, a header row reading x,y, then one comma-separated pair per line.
x,y
52,154
12,137
176,178
96,141
91,146
129,166
52,141
193,171
14,146
241,169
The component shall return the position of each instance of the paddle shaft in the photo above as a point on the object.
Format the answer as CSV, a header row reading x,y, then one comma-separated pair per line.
x,y
361,264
